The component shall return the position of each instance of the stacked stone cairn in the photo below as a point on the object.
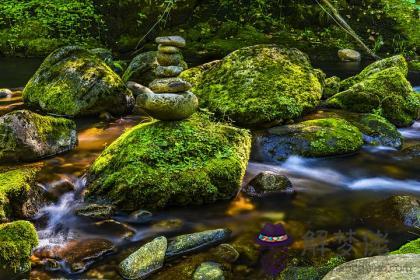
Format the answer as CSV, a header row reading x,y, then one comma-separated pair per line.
x,y
171,99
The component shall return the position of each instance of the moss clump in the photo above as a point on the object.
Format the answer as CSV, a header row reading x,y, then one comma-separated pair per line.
x,y
332,87
193,161
27,136
387,92
73,82
313,138
412,247
17,239
260,84
16,191
394,61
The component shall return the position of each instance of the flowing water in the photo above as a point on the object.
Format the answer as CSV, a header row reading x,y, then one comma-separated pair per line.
x,y
329,194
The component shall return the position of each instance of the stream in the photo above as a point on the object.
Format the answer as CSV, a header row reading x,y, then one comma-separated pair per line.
x,y
329,191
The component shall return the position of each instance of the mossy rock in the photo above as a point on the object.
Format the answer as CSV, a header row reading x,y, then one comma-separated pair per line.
x,y
27,136
156,164
331,87
17,239
387,92
258,85
20,197
394,61
313,138
74,82
412,247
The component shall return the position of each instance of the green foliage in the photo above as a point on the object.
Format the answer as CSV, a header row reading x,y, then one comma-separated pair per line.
x,y
412,247
36,27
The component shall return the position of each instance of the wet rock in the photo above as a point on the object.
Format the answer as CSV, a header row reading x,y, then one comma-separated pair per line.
x,y
168,106
168,71
176,41
268,182
17,239
142,68
378,267
95,211
169,225
209,271
27,136
349,55
247,248
396,211
313,138
411,153
114,228
74,82
226,252
20,196
141,166
331,87
140,217
77,255
60,187
169,85
144,261
4,92
168,49
188,243
257,85
168,59
138,89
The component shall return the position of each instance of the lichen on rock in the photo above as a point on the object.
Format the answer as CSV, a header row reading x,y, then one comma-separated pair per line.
x,y
156,164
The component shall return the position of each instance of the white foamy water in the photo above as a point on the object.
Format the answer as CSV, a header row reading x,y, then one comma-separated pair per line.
x,y
378,183
412,132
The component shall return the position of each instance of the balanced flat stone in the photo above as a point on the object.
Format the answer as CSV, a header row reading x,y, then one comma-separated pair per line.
x,y
176,41
144,261
168,71
168,49
168,59
169,85
168,106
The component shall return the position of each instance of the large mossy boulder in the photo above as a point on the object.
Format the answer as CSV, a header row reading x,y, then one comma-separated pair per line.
x,y
73,81
156,164
17,239
142,68
387,92
258,85
412,247
313,138
27,136
20,197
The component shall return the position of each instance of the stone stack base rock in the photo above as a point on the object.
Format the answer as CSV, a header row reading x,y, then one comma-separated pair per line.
x,y
171,99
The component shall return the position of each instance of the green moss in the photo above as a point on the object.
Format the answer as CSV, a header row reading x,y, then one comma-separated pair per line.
x,y
14,184
17,239
193,161
387,92
414,65
394,61
258,85
412,247
332,87
72,82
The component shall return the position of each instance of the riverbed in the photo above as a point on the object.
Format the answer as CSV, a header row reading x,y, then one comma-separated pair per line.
x,y
329,191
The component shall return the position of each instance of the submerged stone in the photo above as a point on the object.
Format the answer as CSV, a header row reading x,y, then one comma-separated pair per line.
x,y
168,106
20,196
258,85
145,260
188,243
27,136
96,211
169,85
17,239
176,41
268,182
209,271
313,138
74,82
156,164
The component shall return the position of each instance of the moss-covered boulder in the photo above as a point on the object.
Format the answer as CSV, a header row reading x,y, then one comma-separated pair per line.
x,y
394,61
142,68
72,81
331,87
387,92
313,138
27,136
20,197
17,239
412,247
156,164
258,85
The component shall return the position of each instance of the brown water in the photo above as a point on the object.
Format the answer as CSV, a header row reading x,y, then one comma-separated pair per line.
x,y
329,194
